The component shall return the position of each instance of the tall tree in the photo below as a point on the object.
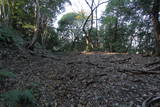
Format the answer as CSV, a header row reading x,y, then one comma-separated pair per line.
x,y
151,8
36,29
133,26
93,7
156,24
32,17
41,17
70,28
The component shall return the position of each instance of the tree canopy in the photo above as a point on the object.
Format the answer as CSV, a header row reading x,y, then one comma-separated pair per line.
x,y
125,26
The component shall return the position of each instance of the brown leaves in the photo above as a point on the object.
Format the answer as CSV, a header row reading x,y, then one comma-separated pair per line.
x,y
88,80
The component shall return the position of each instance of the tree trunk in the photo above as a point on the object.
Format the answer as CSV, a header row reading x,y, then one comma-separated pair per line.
x,y
156,24
110,47
3,11
37,16
97,39
89,44
8,13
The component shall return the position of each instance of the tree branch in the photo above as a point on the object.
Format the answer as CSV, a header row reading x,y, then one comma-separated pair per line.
x,y
93,9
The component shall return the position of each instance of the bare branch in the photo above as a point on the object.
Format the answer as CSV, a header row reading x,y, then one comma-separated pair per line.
x,y
92,13
88,3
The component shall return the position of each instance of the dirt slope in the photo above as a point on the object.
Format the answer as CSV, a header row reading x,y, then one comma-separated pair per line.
x,y
86,80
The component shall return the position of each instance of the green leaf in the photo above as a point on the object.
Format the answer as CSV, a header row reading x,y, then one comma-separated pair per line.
x,y
16,97
35,84
28,26
6,74
2,38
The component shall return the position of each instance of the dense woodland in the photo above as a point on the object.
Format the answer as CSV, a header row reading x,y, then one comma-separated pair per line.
x,y
126,26
86,61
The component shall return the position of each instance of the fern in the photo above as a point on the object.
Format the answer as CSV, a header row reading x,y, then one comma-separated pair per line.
x,y
4,73
16,98
2,38
35,84
10,35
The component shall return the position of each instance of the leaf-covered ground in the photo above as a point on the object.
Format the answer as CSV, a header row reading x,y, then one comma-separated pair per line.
x,y
84,79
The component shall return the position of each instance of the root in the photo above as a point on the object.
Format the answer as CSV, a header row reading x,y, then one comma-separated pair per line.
x,y
151,101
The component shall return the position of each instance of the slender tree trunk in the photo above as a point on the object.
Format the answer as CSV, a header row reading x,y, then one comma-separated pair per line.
x,y
89,43
97,39
74,43
3,11
110,47
156,24
89,39
12,10
0,13
8,13
36,29
130,44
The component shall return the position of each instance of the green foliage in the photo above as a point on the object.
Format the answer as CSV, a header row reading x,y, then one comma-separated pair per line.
x,y
123,22
109,20
70,31
4,34
66,20
8,34
126,26
28,26
5,73
16,98
51,39
22,16
35,84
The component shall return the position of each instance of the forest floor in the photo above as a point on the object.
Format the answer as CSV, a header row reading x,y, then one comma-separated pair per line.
x,y
95,79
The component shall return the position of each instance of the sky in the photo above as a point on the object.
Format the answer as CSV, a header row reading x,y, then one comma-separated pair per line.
x,y
78,5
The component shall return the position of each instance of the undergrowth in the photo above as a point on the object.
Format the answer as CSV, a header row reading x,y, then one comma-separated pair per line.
x,y
17,98
9,35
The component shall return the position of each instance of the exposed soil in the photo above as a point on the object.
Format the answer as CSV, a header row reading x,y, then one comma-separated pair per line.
x,y
85,79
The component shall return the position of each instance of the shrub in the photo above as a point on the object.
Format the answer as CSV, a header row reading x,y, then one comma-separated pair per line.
x,y
8,34
5,73
16,98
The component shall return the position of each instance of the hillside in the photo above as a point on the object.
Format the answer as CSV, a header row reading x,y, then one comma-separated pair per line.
x,y
84,79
